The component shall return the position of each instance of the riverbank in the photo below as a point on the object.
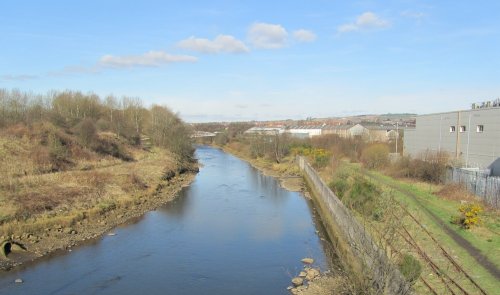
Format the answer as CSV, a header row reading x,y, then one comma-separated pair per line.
x,y
96,200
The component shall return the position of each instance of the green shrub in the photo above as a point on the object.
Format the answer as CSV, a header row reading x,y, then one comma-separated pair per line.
x,y
339,187
321,159
340,184
410,268
358,194
362,196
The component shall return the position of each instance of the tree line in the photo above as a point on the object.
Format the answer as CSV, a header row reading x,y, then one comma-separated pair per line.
x,y
125,116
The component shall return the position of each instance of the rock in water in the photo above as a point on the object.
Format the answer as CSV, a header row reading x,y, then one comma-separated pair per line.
x,y
18,281
308,260
297,281
302,274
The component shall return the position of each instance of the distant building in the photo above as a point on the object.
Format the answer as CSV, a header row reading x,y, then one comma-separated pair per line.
x,y
346,131
471,136
265,130
381,133
304,131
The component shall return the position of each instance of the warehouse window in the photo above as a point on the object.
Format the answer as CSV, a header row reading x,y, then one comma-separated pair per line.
x,y
462,128
452,128
480,128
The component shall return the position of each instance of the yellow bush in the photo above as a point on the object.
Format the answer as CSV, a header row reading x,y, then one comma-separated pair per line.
x,y
320,157
469,215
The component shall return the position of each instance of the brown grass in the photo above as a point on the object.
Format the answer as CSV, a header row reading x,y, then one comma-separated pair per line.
x,y
33,202
457,192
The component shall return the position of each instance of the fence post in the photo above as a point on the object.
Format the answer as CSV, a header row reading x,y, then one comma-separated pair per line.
x,y
486,188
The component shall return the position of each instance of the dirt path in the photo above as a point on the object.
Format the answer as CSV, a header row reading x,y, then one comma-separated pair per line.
x,y
461,242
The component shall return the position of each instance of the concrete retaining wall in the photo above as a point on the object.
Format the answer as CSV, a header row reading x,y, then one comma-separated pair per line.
x,y
359,253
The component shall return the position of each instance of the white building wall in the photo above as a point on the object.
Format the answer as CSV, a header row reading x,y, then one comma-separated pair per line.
x,y
301,132
358,130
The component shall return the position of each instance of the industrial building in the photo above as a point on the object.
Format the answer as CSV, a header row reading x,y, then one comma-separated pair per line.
x,y
346,131
304,131
265,130
382,133
471,137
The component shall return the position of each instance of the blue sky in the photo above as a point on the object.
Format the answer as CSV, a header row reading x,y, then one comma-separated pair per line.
x,y
243,60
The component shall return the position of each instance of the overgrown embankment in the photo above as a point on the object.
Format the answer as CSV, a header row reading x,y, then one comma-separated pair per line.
x,y
413,224
364,257
73,166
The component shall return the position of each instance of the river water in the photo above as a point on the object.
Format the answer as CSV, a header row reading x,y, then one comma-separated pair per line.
x,y
232,231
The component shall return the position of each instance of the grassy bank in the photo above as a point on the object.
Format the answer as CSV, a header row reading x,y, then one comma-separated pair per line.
x,y
485,237
415,219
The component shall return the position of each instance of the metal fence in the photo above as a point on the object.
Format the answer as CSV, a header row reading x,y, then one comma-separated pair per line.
x,y
479,183
383,275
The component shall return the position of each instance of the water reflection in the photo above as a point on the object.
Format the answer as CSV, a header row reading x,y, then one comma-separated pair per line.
x,y
177,207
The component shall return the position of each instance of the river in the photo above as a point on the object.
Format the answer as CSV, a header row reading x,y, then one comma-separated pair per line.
x,y
232,231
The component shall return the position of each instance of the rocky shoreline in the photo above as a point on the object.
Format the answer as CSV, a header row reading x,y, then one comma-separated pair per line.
x,y
30,247
300,282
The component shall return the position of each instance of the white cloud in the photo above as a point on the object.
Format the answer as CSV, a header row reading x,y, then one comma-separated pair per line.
x,y
304,35
148,59
221,43
267,36
365,21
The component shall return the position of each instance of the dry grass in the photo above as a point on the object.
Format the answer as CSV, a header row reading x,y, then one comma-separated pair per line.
x,y
457,192
32,200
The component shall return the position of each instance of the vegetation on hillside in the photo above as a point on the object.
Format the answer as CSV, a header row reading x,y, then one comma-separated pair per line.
x,y
84,115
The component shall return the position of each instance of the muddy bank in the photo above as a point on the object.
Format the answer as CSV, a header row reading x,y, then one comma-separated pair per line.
x,y
33,246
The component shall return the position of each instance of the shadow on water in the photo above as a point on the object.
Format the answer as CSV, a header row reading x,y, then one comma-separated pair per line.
x,y
232,231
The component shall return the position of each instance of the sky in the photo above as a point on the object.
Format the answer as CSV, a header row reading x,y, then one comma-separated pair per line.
x,y
258,60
